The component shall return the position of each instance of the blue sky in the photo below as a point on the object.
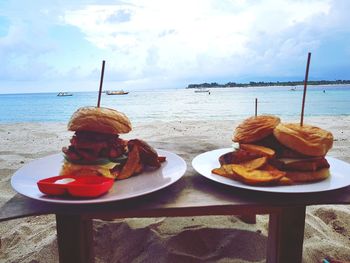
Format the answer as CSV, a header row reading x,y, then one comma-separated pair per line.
x,y
59,45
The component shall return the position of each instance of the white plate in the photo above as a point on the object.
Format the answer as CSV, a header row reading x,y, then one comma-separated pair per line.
x,y
24,181
339,170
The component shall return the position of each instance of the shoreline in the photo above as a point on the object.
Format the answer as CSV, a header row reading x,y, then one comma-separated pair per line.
x,y
186,88
270,86
327,227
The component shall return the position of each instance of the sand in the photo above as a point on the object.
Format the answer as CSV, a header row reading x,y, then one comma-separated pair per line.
x,y
184,239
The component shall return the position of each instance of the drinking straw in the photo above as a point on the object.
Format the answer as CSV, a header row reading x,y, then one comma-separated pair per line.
x,y
101,82
305,85
256,107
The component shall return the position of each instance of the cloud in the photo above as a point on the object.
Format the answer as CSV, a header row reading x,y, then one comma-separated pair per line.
x,y
186,34
172,42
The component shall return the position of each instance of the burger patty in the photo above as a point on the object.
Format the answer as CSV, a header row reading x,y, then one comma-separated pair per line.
x,y
91,146
303,165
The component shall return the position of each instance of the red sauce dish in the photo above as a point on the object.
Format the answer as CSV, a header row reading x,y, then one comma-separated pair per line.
x,y
77,186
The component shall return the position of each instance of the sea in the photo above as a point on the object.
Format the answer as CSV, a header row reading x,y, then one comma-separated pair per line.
x,y
181,104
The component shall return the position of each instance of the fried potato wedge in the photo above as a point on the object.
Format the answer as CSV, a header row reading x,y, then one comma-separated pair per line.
x,y
269,167
254,164
285,181
225,171
132,166
220,171
265,151
257,177
238,156
148,154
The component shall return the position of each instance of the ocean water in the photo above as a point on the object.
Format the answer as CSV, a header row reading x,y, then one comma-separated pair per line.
x,y
181,104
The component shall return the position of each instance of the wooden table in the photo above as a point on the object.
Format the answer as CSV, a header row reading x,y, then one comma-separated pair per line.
x,y
193,195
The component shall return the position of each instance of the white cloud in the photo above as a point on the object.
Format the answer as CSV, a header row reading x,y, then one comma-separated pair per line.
x,y
157,41
185,34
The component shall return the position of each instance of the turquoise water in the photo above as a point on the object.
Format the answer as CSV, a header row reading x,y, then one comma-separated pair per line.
x,y
180,104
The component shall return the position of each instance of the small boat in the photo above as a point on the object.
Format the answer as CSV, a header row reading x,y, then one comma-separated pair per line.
x,y
293,89
116,92
202,90
62,94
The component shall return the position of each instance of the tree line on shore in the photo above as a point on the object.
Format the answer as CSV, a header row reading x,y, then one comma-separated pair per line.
x,y
264,83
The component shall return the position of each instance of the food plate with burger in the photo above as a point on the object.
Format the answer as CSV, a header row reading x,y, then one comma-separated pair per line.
x,y
95,157
272,156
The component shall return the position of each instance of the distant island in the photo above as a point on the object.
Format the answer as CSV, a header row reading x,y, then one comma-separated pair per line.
x,y
263,84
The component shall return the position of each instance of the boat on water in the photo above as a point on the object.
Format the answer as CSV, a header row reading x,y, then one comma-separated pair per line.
x,y
202,90
293,89
63,94
116,92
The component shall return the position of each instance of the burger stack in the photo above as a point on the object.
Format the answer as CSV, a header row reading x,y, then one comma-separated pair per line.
x,y
272,152
97,149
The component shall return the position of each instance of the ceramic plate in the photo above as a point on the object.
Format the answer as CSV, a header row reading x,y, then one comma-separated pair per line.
x,y
339,170
24,181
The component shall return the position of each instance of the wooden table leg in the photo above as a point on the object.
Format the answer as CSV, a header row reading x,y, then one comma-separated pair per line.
x,y
286,235
75,239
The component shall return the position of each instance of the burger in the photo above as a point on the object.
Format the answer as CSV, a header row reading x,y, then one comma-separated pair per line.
x,y
297,150
248,134
302,151
96,148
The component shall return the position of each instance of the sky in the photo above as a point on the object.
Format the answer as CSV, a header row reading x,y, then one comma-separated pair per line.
x,y
59,45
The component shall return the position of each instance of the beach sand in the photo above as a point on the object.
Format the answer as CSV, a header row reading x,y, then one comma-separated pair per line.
x,y
184,239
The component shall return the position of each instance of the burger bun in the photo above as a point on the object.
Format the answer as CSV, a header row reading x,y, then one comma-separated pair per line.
x,y
307,140
99,119
255,129
308,177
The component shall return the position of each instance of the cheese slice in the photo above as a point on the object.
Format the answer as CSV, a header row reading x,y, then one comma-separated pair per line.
x,y
80,169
